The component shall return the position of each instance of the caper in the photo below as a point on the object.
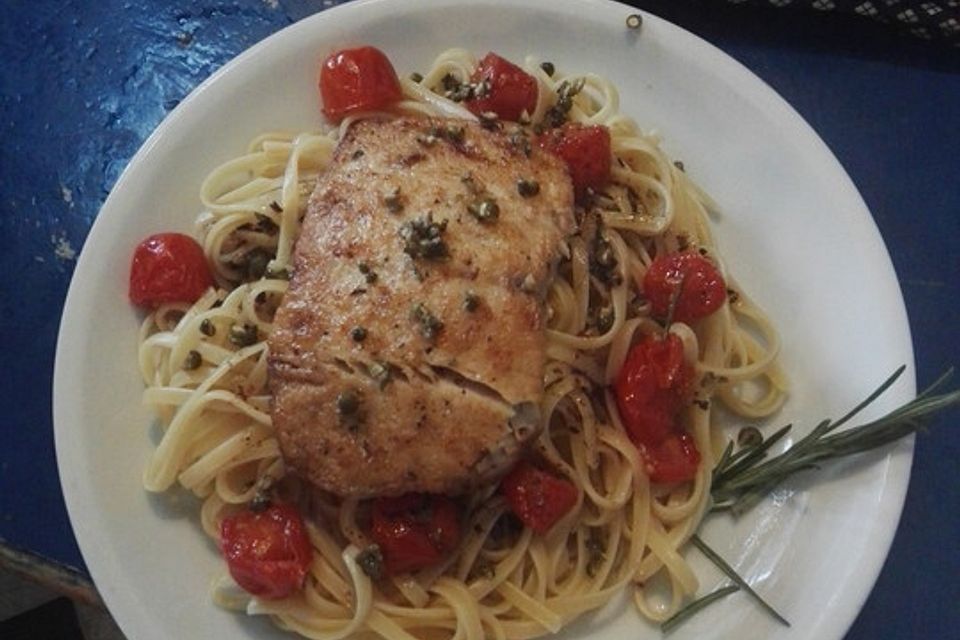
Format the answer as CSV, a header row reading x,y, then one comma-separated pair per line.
x,y
192,360
347,403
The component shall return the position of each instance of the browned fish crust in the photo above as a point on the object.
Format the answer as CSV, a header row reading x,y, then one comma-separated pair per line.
x,y
408,352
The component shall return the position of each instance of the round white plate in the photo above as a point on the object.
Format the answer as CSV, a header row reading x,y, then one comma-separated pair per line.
x,y
794,232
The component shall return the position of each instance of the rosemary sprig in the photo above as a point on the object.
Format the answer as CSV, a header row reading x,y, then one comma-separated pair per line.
x,y
721,564
743,479
695,607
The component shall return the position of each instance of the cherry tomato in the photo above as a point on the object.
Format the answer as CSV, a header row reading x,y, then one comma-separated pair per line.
x,y
268,553
538,498
585,149
512,90
676,459
168,267
359,79
651,390
415,530
701,287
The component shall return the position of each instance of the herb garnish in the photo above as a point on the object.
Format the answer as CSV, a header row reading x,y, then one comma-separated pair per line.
x,y
595,549
266,224
519,141
721,564
695,607
381,373
370,561
452,133
460,91
422,238
489,120
393,200
558,113
603,263
605,318
244,335
260,502
744,478
484,209
430,325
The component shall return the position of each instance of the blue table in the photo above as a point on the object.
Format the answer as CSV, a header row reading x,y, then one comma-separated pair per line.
x,y
83,84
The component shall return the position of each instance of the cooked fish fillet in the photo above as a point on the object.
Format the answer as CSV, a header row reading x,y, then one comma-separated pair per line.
x,y
408,352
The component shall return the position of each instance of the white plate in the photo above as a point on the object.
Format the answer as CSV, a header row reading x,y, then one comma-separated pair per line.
x,y
795,233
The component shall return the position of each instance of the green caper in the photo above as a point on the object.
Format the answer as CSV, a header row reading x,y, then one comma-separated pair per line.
x,y
207,327
192,361
347,403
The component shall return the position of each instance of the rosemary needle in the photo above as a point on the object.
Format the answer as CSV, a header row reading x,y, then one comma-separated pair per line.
x,y
695,607
731,573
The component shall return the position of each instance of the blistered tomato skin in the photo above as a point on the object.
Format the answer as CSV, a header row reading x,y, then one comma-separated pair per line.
x,y
354,80
651,390
268,553
415,530
586,152
538,498
168,267
688,277
512,90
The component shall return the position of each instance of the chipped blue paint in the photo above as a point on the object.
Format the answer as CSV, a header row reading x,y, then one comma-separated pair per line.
x,y
82,85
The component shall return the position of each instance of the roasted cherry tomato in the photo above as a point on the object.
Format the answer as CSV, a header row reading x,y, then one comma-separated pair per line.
x,y
168,267
511,89
676,459
585,149
359,79
414,530
651,390
699,283
268,552
538,498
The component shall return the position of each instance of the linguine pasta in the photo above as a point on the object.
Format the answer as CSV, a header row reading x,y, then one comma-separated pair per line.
x,y
501,582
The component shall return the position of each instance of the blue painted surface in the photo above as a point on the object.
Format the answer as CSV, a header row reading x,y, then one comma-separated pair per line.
x,y
83,84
